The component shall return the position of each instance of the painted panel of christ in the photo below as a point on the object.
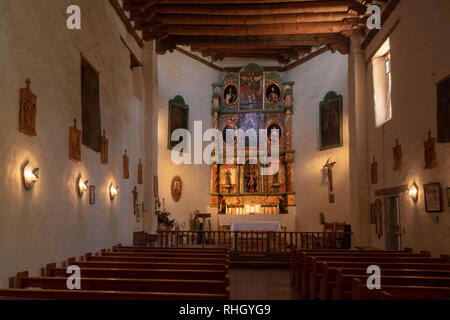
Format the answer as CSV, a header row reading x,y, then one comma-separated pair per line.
x,y
178,119
251,88
331,122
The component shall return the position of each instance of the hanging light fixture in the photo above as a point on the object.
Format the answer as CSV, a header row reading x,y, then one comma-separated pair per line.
x,y
30,175
413,192
82,186
113,191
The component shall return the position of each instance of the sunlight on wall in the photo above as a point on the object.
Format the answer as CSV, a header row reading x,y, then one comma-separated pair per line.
x,y
382,84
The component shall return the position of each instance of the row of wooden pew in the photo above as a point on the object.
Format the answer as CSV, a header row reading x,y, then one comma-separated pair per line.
x,y
342,275
133,273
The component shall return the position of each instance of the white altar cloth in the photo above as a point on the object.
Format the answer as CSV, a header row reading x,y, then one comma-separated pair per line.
x,y
256,226
285,220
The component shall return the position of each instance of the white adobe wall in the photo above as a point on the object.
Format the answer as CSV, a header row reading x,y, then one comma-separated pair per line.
x,y
313,80
181,75
419,59
51,223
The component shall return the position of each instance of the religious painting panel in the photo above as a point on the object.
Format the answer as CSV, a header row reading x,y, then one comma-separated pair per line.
x,y
433,197
229,179
229,133
273,93
178,119
230,95
126,166
252,121
430,152
331,122
28,110
251,88
176,188
140,172
74,142
443,110
105,145
397,150
90,100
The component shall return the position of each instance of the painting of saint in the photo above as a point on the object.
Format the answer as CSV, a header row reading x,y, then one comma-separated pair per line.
x,y
273,93
331,122
230,94
251,88
178,118
228,134
275,127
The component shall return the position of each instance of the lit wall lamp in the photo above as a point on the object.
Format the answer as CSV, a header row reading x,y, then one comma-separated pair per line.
x,y
413,192
113,191
82,186
30,175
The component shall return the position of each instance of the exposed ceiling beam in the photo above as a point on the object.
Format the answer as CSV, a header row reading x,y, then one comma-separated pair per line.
x,y
178,19
250,9
115,4
258,30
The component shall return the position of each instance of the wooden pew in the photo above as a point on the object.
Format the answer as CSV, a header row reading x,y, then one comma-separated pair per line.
x,y
164,254
344,282
392,292
319,277
177,249
103,295
338,290
53,271
23,281
297,255
313,272
151,265
304,268
89,257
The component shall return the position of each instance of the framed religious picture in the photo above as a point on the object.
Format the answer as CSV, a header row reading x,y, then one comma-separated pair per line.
x,y
229,133
104,152
126,166
251,88
274,125
330,126
140,172
273,92
155,186
433,197
448,197
178,119
176,188
28,110
74,142
230,94
91,194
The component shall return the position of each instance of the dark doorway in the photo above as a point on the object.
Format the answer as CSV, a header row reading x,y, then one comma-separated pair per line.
x,y
393,229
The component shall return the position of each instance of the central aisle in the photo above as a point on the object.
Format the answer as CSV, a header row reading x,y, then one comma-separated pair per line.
x,y
261,284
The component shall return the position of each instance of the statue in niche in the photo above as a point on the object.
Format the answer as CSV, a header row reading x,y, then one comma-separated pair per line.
x,y
228,178
104,149
374,172
252,182
126,166
140,172
28,110
397,156
74,142
430,152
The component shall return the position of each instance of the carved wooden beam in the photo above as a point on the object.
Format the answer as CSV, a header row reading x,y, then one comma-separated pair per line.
x,y
305,59
120,12
198,19
285,29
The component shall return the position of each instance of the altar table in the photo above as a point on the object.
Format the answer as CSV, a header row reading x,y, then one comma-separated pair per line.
x,y
256,226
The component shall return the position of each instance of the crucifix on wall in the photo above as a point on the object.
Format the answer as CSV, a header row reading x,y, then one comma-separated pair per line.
x,y
329,165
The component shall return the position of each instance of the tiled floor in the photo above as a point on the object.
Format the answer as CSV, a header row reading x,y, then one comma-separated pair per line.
x,y
261,284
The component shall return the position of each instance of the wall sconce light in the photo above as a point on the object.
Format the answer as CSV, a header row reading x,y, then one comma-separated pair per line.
x,y
30,175
413,192
82,186
113,191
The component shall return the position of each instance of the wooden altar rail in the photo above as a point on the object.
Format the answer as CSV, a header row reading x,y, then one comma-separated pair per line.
x,y
255,241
